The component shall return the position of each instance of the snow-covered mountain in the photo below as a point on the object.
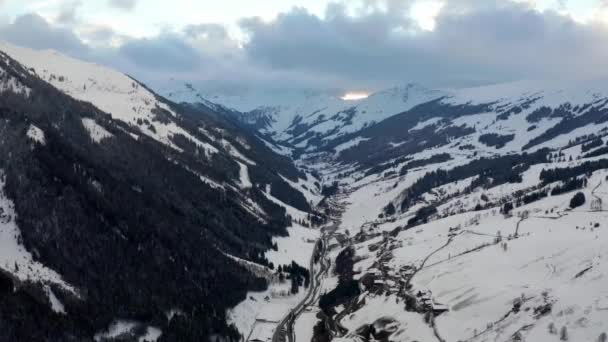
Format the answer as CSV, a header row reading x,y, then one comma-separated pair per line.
x,y
124,215
471,214
299,117
460,220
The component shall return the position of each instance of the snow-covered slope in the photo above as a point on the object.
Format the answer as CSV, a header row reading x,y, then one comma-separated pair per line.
x,y
457,212
109,90
118,207
144,112
479,274
297,116
463,223
425,184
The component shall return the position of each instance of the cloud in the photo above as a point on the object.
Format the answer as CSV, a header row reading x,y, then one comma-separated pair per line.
x,y
374,45
127,5
166,52
213,31
68,11
473,41
33,31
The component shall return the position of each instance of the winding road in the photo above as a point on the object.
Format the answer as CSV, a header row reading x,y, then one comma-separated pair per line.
x,y
285,329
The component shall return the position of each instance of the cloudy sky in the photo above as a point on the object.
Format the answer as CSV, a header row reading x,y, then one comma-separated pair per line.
x,y
350,44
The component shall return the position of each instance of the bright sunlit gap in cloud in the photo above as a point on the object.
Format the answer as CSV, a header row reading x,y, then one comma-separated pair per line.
x,y
354,96
425,13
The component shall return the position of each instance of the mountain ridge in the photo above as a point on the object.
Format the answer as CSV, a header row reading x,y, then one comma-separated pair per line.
x,y
140,207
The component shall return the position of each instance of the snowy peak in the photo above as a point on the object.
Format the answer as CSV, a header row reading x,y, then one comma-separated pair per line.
x,y
296,117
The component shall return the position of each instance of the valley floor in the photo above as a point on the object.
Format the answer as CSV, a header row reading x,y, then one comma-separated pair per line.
x,y
538,274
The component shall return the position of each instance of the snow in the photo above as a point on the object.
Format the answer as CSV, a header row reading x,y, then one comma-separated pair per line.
x,y
322,111
545,261
463,270
233,151
307,187
116,329
410,326
15,259
426,123
295,213
260,313
244,176
109,90
152,334
551,93
56,304
349,144
298,246
36,134
557,258
96,132
119,328
11,84
478,280
304,325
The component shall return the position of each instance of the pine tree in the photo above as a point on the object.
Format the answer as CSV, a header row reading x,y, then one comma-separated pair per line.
x,y
552,329
563,336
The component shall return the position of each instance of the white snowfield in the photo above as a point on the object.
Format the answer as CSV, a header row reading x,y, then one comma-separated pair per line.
x,y
546,259
97,133
36,134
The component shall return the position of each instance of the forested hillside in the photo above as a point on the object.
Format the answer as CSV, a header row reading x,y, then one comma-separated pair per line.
x,y
136,220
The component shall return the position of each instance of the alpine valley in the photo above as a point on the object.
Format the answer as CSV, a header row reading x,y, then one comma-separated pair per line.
x,y
175,213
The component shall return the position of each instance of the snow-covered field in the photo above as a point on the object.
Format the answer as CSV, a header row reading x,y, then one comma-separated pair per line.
x,y
259,314
535,275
